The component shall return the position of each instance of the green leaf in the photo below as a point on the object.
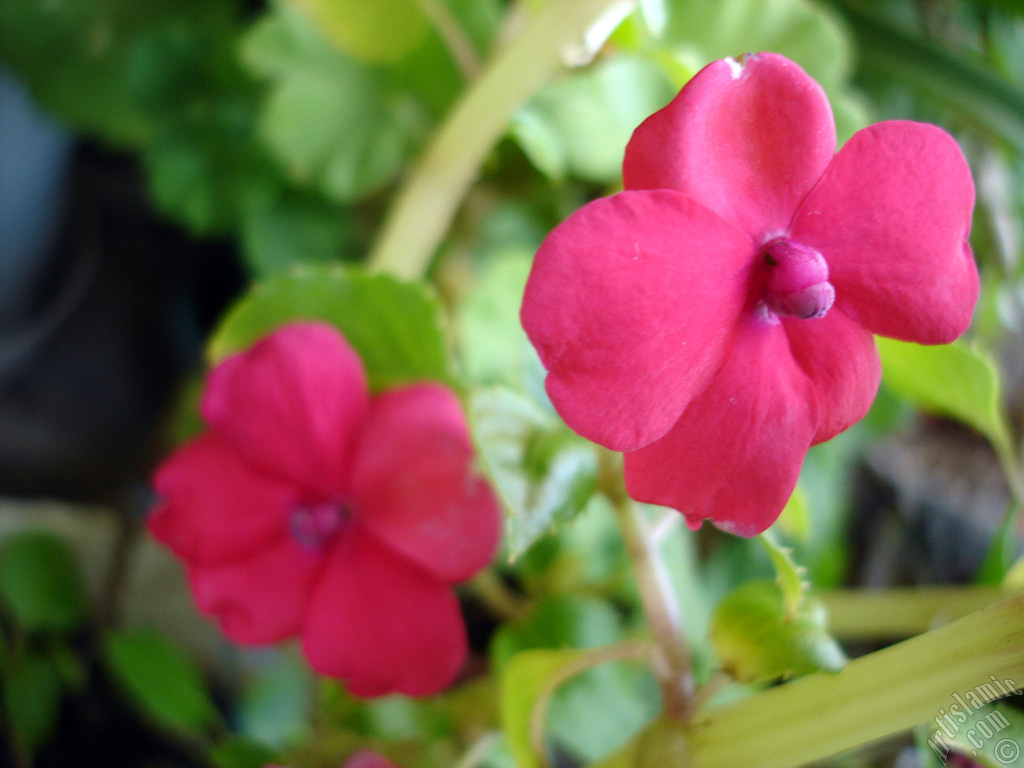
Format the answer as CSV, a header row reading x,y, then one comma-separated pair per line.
x,y
492,344
579,125
382,30
951,380
795,519
394,326
756,641
162,680
240,752
274,707
788,575
544,473
289,229
329,120
526,683
32,695
40,582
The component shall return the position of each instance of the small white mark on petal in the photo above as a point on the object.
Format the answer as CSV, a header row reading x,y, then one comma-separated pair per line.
x,y
735,67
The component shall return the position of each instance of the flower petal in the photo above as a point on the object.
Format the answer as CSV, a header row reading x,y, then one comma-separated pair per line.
x,y
292,405
413,484
841,360
214,507
891,216
735,454
747,139
382,623
629,304
262,598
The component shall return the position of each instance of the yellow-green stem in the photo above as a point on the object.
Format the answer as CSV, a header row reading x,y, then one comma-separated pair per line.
x,y
867,614
873,697
424,208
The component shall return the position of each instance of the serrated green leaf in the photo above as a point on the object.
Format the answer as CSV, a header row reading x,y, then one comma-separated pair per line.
x,y
381,31
32,695
329,120
162,680
544,473
951,380
579,125
755,641
40,583
393,325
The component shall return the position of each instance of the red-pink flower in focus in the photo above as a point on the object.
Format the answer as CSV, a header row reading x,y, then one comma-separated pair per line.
x,y
313,509
715,319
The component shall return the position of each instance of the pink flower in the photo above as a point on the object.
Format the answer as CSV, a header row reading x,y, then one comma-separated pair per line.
x,y
364,758
313,509
715,320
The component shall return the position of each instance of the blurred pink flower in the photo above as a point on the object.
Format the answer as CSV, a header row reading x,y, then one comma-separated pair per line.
x,y
715,319
364,758
310,508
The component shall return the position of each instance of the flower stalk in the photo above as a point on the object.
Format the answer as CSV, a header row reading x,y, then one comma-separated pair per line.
x,y
423,210
673,665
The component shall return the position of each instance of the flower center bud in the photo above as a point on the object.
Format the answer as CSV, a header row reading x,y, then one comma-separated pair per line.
x,y
314,525
797,284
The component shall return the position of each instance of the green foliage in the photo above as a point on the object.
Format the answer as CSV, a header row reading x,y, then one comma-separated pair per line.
x,y
331,121
394,326
40,583
952,380
32,695
544,473
579,125
274,706
789,576
161,679
240,752
756,639
384,30
598,710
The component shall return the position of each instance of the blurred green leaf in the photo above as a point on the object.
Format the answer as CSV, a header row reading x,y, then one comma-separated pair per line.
x,y
32,696
290,228
161,679
492,344
755,641
951,380
239,752
40,582
544,473
795,519
274,706
974,94
381,31
394,326
330,120
600,709
579,125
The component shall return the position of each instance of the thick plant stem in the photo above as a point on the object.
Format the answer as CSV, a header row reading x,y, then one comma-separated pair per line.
x,y
426,204
892,614
674,670
873,697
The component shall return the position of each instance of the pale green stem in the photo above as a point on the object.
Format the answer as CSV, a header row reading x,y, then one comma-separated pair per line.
x,y
868,614
426,204
674,668
873,697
